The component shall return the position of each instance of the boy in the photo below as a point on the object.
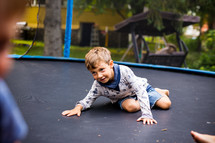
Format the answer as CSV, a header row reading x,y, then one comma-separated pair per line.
x,y
120,85
12,125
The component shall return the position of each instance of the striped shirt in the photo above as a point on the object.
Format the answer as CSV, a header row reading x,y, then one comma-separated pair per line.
x,y
129,85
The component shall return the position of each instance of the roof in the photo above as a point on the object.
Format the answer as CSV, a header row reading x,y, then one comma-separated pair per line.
x,y
140,21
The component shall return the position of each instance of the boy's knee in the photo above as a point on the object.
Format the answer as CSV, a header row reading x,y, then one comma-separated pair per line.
x,y
132,107
166,105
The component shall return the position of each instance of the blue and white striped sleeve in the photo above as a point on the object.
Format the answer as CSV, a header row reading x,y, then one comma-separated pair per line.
x,y
92,95
139,87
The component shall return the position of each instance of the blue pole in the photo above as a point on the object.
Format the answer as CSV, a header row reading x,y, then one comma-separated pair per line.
x,y
68,31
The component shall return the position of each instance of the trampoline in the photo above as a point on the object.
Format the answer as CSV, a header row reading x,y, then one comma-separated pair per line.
x,y
43,88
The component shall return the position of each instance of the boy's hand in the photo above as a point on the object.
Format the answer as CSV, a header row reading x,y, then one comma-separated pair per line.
x,y
75,111
147,121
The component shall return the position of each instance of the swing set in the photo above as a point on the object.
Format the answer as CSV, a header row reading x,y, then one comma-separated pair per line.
x,y
138,26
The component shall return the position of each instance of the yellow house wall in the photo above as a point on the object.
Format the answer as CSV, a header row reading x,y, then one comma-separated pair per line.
x,y
107,19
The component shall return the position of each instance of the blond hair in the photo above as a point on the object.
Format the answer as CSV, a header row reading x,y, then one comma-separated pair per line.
x,y
96,55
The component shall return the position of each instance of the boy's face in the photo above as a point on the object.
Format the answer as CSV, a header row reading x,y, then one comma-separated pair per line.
x,y
103,72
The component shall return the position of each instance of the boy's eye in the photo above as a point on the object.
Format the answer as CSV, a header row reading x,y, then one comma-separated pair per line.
x,y
101,69
93,73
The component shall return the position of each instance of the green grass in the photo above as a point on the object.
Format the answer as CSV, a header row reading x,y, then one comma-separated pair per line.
x,y
116,53
20,47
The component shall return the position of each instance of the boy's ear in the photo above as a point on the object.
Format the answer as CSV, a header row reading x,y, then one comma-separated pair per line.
x,y
111,63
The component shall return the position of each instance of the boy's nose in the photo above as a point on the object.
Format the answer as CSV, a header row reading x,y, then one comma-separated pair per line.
x,y
99,75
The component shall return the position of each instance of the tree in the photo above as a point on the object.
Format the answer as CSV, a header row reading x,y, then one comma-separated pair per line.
x,y
52,28
127,8
205,9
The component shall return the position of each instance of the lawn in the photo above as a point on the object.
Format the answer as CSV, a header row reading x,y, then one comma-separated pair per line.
x,y
21,46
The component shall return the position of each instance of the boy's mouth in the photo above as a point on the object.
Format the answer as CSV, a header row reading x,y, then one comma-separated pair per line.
x,y
102,79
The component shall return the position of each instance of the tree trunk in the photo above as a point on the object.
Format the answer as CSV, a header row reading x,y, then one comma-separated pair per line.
x,y
211,22
52,28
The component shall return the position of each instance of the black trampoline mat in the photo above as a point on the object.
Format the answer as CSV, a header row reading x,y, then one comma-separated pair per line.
x,y
43,89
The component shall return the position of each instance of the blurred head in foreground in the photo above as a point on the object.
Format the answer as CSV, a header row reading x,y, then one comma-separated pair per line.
x,y
10,12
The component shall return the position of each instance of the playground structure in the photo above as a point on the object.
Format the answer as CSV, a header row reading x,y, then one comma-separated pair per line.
x,y
138,26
